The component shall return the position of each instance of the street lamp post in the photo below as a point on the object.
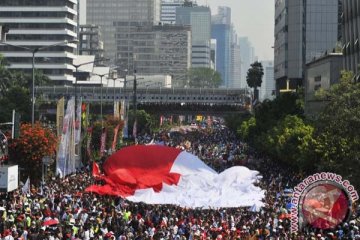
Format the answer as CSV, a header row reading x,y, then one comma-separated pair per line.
x,y
33,51
101,96
77,66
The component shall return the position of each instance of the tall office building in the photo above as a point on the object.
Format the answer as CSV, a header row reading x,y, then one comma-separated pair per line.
x,y
235,62
221,31
37,24
168,10
121,17
267,89
303,30
90,41
351,33
247,58
163,49
199,18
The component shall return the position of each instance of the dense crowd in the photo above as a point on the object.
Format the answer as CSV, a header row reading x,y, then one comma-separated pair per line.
x,y
60,209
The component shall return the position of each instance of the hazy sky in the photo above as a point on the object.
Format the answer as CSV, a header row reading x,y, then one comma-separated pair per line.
x,y
252,18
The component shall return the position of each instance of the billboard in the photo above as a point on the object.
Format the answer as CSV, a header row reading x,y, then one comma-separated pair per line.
x,y
9,178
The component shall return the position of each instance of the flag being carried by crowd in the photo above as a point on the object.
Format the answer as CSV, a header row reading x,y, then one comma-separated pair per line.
x,y
157,174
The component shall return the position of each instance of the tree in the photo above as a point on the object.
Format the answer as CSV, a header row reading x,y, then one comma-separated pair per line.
x,y
290,141
15,91
204,77
254,77
32,145
338,130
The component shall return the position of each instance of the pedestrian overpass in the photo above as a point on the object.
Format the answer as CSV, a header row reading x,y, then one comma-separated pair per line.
x,y
174,99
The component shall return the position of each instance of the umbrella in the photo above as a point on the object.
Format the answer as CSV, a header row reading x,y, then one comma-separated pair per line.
x,y
50,222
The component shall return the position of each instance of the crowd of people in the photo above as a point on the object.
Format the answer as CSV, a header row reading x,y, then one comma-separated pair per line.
x,y
60,209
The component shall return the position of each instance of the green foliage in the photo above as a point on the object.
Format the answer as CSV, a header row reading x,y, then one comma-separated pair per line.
x,y
290,141
15,91
338,130
254,75
247,128
232,121
204,77
144,121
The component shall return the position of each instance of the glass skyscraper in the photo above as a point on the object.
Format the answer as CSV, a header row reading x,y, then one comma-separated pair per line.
x,y
119,17
199,18
221,31
304,30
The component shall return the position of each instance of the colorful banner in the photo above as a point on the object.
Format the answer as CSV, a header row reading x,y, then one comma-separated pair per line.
x,y
88,143
78,123
122,110
66,153
116,130
103,142
161,120
60,115
117,109
135,129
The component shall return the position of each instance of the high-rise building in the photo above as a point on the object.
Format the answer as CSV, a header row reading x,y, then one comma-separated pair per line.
x,y
90,41
235,62
168,10
351,33
267,89
163,49
199,18
303,30
37,24
221,31
247,58
120,17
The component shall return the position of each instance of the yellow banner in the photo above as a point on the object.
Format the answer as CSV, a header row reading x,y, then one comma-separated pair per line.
x,y
60,115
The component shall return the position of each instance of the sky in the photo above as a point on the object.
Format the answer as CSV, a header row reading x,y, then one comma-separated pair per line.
x,y
253,19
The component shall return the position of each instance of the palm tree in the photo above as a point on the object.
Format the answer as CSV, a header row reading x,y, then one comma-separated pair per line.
x,y
254,77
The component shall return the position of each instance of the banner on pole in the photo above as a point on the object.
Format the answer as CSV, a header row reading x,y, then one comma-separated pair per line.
x,y
60,115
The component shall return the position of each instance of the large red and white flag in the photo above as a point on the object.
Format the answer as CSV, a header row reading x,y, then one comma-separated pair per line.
x,y
157,174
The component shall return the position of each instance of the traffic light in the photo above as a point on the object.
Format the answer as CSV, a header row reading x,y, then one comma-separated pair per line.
x,y
3,30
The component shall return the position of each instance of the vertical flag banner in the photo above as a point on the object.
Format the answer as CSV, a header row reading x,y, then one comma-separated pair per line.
x,y
117,109
116,130
26,188
78,123
103,142
88,143
84,115
60,115
161,120
135,129
122,110
65,163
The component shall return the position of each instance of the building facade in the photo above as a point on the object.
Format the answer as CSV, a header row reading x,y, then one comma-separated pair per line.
x,y
37,24
351,34
199,18
321,73
163,49
247,58
267,89
116,17
221,30
90,41
235,62
168,10
304,30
